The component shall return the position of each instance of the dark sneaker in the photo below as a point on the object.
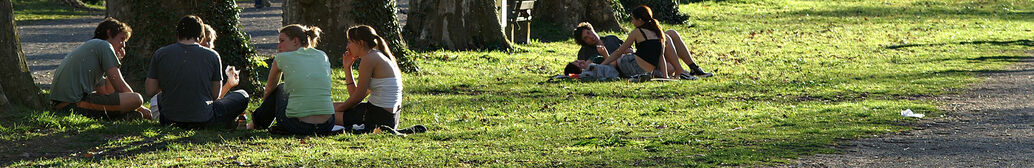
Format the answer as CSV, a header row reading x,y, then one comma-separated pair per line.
x,y
701,74
389,130
414,129
687,77
641,77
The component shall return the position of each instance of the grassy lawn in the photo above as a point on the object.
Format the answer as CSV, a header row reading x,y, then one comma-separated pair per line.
x,y
793,78
27,10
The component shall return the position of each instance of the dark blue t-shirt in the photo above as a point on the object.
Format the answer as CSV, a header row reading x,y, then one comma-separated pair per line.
x,y
185,74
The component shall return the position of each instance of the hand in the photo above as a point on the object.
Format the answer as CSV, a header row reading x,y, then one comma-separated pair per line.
x,y
232,76
348,59
120,53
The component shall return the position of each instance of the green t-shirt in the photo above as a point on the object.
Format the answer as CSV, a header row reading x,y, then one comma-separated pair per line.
x,y
307,81
82,70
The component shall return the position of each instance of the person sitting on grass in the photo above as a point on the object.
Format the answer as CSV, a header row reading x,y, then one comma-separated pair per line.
x,y
594,48
206,42
88,80
654,50
302,104
189,79
380,81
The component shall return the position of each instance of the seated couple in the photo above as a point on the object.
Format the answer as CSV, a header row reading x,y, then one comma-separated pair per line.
x,y
657,54
302,103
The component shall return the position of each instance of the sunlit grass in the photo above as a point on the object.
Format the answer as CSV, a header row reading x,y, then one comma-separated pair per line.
x,y
793,78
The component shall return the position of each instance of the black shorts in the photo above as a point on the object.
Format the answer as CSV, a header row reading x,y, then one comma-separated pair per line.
x,y
372,116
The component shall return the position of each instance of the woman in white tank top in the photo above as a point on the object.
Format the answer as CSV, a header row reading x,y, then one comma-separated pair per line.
x,y
379,78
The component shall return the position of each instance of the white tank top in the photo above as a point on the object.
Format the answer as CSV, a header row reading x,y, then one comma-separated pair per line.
x,y
386,92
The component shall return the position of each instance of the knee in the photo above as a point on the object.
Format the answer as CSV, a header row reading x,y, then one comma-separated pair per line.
x,y
134,99
671,32
242,92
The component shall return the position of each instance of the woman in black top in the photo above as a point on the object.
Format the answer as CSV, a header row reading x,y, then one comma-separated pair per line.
x,y
649,44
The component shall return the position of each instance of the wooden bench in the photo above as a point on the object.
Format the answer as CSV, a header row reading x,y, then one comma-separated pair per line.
x,y
518,19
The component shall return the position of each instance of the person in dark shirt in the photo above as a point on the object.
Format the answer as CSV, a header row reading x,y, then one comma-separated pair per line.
x,y
596,47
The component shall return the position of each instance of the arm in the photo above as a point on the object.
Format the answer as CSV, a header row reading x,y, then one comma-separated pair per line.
x,y
216,87
152,88
274,79
348,60
624,47
106,89
600,49
362,87
115,78
232,79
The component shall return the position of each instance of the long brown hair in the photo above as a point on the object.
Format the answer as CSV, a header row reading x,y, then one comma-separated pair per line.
x,y
308,36
367,35
644,13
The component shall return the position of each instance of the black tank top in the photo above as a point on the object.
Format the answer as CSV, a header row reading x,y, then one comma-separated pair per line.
x,y
649,50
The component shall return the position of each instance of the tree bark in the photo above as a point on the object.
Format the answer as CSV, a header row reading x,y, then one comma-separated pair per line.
x,y
455,25
666,11
335,17
154,22
15,77
599,13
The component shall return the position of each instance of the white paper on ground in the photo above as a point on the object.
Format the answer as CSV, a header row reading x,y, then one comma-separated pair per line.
x,y
909,113
337,128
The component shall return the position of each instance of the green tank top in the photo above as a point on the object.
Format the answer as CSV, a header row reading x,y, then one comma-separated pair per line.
x,y
307,81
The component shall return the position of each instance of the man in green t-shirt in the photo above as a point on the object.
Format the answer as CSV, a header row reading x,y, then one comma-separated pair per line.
x,y
89,81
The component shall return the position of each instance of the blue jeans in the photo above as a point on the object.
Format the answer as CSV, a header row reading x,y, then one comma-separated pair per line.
x,y
274,107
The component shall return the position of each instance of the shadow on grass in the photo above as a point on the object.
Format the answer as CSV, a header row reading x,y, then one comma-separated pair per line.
x,y
1028,43
73,137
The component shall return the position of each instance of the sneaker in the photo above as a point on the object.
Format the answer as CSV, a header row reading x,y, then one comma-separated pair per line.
x,y
414,129
687,77
641,77
387,129
701,74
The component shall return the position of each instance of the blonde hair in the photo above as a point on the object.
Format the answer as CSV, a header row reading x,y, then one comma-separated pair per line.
x,y
308,36
209,33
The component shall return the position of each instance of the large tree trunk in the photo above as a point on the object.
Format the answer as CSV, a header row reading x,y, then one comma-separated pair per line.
x,y
666,11
564,16
154,25
455,25
15,77
335,17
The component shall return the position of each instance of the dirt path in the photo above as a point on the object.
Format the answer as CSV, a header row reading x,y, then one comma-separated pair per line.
x,y
991,125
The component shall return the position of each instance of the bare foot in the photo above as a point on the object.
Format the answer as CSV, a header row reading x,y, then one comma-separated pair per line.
x,y
146,113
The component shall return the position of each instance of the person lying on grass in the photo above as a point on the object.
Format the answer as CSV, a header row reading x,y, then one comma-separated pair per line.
x,y
301,105
587,71
654,51
380,81
189,78
88,80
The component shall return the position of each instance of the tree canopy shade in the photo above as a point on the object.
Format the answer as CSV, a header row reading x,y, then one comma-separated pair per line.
x,y
153,22
566,14
335,17
16,85
666,11
455,25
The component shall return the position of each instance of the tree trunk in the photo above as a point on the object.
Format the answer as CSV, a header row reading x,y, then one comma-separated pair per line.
x,y
455,25
335,17
15,77
154,22
666,11
599,13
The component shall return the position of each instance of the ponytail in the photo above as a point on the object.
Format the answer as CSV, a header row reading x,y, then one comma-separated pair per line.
x,y
383,46
314,35
644,13
307,35
367,35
